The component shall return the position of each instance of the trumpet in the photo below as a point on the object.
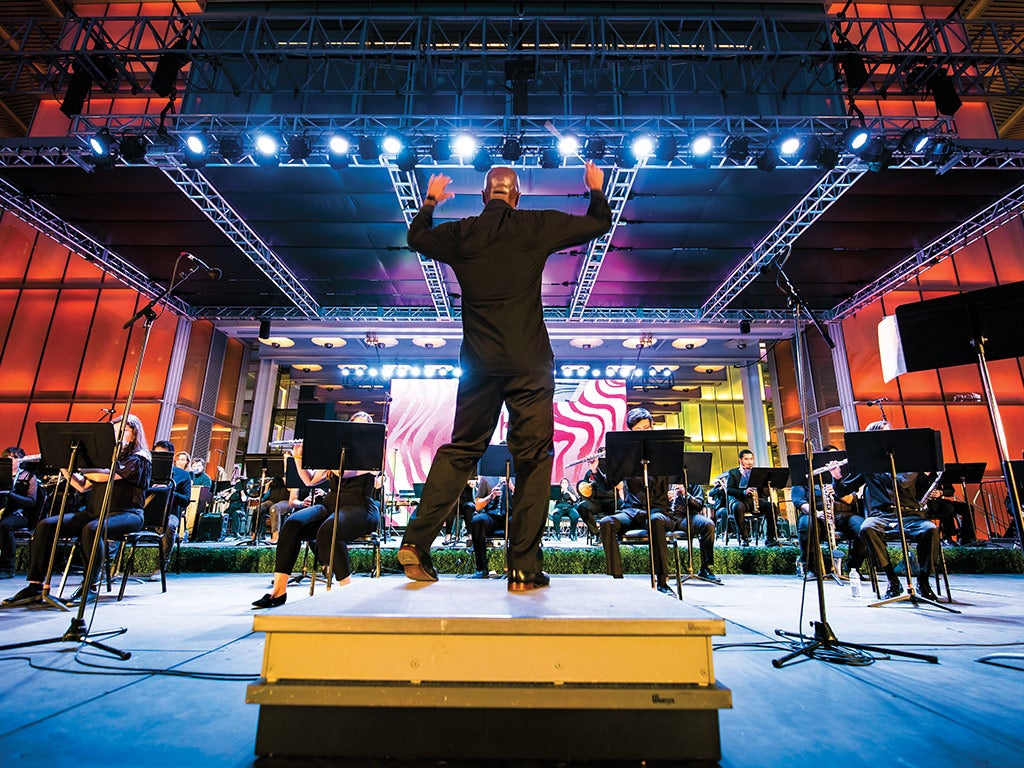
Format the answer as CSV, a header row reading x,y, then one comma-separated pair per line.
x,y
598,454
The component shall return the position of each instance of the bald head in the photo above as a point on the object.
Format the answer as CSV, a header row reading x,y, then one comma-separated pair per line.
x,y
502,183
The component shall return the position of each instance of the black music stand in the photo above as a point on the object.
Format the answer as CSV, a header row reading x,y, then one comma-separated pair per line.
x,y
891,451
696,471
823,462
341,445
6,474
973,327
73,446
497,461
263,468
771,478
645,453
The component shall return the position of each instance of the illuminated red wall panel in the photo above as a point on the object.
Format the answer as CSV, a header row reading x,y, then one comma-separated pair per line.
x,y
62,361
49,261
42,412
191,390
1006,249
158,352
16,239
231,370
974,438
104,354
24,347
12,417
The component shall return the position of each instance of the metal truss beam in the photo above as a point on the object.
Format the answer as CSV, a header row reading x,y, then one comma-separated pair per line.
x,y
619,187
778,242
69,236
986,221
197,188
409,201
798,54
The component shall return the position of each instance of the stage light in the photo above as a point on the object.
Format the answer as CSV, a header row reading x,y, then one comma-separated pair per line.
x,y
79,87
369,150
441,150
104,148
666,149
549,158
298,148
947,100
816,151
197,150
701,145
168,66
230,148
267,148
744,326
594,149
338,148
769,160
642,147
876,154
406,159
737,149
482,160
568,145
511,149
915,140
392,145
854,138
464,146
789,145
133,148
264,332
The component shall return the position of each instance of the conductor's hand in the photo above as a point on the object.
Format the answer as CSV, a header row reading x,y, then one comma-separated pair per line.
x,y
593,176
437,188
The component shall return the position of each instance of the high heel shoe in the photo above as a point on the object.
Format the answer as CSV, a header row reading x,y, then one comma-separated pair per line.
x,y
269,601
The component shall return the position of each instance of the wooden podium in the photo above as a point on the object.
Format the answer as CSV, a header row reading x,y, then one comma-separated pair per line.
x,y
589,669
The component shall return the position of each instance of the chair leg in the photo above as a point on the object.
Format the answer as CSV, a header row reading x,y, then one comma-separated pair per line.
x,y
163,565
127,570
679,572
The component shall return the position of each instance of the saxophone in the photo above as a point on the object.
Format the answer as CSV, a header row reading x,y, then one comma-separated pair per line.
x,y
752,492
828,506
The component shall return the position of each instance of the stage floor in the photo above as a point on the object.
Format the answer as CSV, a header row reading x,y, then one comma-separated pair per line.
x,y
894,712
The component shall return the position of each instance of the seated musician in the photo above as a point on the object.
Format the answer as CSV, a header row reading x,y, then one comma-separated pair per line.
x,y
745,501
17,508
881,519
956,518
274,501
125,515
199,476
846,513
463,510
491,497
298,498
565,507
701,526
358,515
158,505
601,499
633,514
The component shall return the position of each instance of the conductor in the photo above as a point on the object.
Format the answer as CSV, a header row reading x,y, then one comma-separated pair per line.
x,y
498,258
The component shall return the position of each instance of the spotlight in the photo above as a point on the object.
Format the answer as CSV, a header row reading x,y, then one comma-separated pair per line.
x,y
338,148
133,148
511,149
197,150
940,150
737,149
267,148
368,149
701,145
816,152
744,326
441,150
482,160
594,149
915,140
769,160
230,148
465,146
875,153
789,144
78,90
550,158
165,76
854,138
642,147
666,149
104,148
392,145
568,145
947,100
406,159
298,148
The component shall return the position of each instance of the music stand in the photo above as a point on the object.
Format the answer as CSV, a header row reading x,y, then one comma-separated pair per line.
x,y
645,453
823,462
963,474
890,451
6,474
341,445
696,471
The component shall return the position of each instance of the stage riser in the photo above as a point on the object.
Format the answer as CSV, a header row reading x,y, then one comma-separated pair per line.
x,y
488,734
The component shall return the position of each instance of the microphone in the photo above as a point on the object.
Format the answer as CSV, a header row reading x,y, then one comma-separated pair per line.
x,y
879,401
212,272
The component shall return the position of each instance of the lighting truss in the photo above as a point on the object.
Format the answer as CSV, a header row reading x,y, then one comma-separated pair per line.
x,y
46,221
797,54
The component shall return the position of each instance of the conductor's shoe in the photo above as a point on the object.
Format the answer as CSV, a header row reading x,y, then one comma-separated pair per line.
x,y
268,601
31,592
895,590
524,581
416,564
708,575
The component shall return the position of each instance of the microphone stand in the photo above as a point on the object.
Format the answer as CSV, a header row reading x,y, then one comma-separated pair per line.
x,y
78,631
824,637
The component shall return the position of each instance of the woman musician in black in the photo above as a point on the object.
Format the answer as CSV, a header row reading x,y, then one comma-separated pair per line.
x,y
17,508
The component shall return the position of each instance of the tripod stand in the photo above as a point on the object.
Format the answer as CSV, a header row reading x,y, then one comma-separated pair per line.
x,y
824,638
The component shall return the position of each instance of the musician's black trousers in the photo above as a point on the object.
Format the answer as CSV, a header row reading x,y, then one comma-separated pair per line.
x,y
77,524
482,525
529,397
702,529
740,510
592,510
875,529
847,527
629,519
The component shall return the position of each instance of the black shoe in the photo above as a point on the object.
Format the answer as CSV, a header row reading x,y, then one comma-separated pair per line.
x,y
708,575
665,589
31,592
267,601
90,595
416,564
480,575
924,589
6,574
524,581
895,590
772,543
745,543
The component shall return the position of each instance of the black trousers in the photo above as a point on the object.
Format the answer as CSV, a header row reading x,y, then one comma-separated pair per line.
x,y
613,526
9,523
464,512
702,528
847,526
949,512
81,525
482,525
740,510
317,522
562,511
529,397
592,510
924,532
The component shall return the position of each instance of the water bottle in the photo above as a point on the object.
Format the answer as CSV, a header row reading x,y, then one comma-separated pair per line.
x,y
854,583
799,568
